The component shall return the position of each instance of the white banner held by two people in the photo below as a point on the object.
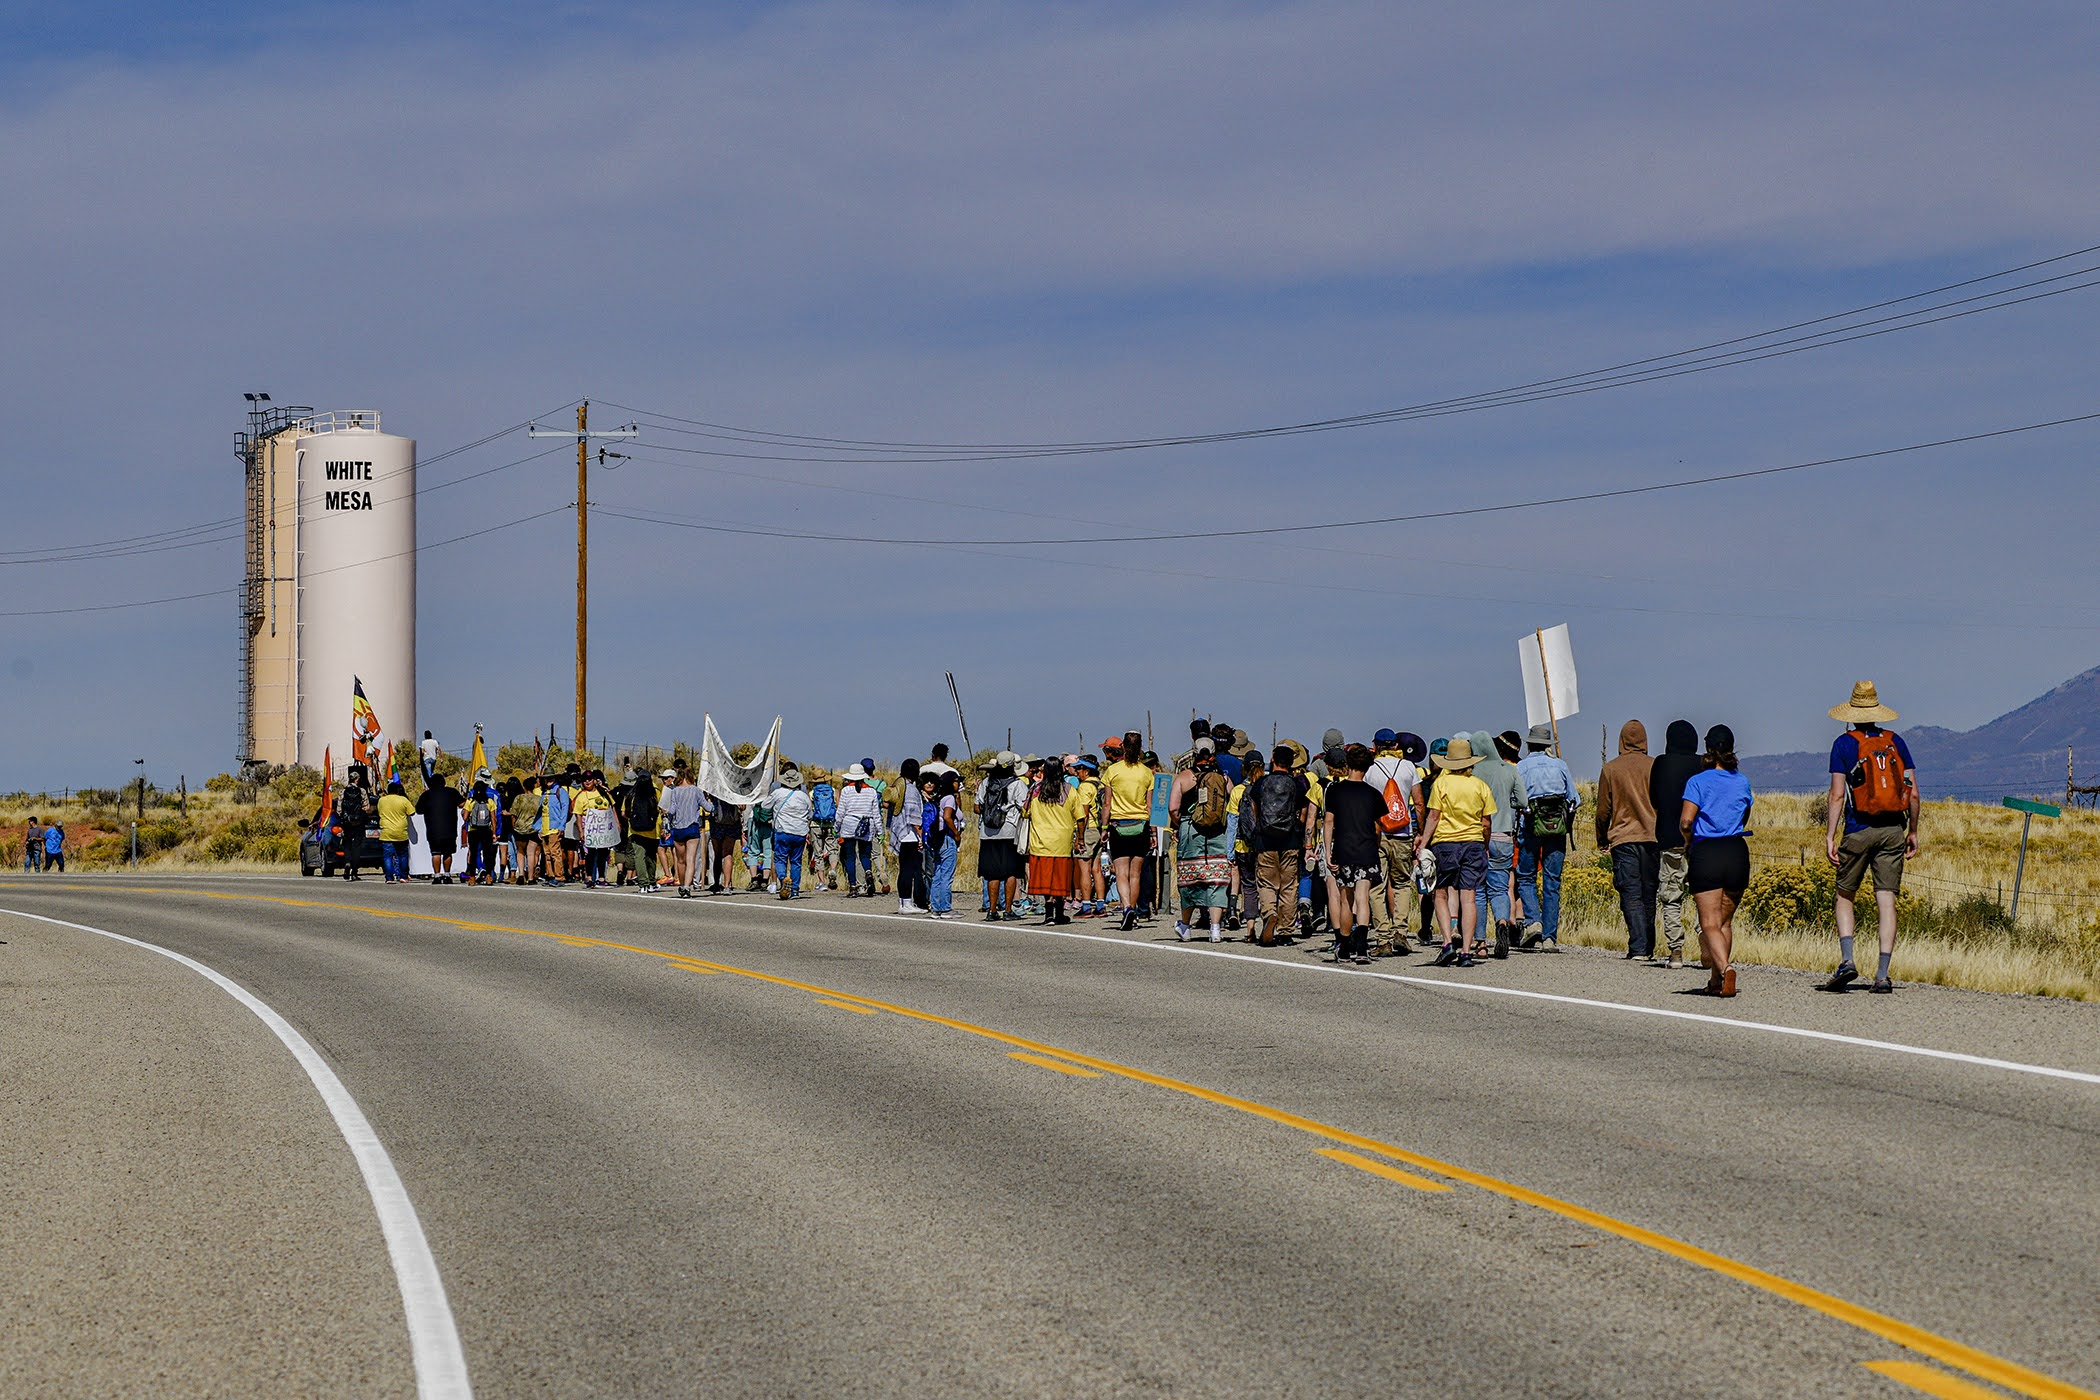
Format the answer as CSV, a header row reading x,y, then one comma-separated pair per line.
x,y
1548,662
739,784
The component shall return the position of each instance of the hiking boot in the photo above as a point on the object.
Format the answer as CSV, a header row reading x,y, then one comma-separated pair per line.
x,y
1501,941
1844,977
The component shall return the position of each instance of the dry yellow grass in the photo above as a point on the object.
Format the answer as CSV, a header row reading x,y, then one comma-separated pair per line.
x,y
1966,853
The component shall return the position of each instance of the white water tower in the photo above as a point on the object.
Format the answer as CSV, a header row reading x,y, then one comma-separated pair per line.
x,y
356,580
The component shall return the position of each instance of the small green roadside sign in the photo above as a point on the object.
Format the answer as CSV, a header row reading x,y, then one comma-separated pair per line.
x,y
2033,809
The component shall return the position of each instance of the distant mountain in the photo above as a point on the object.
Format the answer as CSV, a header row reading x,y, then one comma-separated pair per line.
x,y
2020,752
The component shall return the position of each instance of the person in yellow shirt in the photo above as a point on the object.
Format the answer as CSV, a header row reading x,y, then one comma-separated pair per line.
x,y
1087,883
1053,812
1129,788
394,811
592,799
1456,829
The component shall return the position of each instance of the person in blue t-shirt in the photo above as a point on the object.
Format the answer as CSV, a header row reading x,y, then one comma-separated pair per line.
x,y
54,848
1714,821
1873,825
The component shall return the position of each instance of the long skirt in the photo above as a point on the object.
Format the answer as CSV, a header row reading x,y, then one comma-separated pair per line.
x,y
1050,877
1202,868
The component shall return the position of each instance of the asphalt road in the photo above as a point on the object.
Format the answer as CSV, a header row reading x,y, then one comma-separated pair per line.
x,y
733,1147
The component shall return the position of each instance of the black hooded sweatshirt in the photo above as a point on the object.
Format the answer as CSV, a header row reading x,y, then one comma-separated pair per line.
x,y
1675,767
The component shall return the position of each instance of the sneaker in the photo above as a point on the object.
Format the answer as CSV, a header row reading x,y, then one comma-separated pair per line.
x,y
1465,960
1361,960
991,918
1012,915
1674,963
1882,985
1217,935
1129,921
1844,977
1447,956
1181,930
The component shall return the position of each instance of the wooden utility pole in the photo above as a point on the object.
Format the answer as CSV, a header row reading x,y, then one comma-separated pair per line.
x,y
583,562
583,545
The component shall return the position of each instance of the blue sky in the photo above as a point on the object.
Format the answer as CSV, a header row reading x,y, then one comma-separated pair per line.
x,y
1006,222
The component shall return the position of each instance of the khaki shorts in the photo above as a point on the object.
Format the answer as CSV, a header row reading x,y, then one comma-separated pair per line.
x,y
1876,848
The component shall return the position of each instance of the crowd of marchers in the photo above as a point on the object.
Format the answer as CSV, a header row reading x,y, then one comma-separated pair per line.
x,y
1454,846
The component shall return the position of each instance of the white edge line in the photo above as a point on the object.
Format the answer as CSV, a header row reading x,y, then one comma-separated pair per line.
x,y
440,1365
1896,1047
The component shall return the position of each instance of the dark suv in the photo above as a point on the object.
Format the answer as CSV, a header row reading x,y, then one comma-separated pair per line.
x,y
321,850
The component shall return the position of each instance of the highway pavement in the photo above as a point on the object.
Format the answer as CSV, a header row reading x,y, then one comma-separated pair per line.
x,y
730,1146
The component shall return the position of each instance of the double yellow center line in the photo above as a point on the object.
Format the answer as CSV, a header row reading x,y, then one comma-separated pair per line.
x,y
1981,1364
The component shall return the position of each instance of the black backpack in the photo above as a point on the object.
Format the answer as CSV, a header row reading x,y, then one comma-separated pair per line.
x,y
1279,810
993,812
641,804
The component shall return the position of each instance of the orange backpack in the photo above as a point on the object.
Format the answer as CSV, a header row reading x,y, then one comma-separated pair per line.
x,y
1877,779
1399,816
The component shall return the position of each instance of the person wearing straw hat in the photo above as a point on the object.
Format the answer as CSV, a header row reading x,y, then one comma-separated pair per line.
x,y
1872,826
1456,830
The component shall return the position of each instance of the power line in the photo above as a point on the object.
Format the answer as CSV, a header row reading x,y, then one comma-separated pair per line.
x,y
312,573
1577,498
1613,376
218,531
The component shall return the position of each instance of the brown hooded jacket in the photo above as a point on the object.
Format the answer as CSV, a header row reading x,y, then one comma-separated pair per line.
x,y
1624,811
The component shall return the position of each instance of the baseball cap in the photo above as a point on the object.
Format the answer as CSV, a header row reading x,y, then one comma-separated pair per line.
x,y
1385,736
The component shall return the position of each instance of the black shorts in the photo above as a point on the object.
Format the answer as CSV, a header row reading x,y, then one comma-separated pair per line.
x,y
1121,847
1719,863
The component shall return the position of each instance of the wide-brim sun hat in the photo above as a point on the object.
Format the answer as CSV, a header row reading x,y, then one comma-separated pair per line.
x,y
1411,746
1539,734
856,774
1460,755
1864,707
791,779
668,773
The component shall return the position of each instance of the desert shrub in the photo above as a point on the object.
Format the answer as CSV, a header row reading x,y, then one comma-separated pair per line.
x,y
281,848
1586,894
296,786
163,835
104,851
1786,896
99,797
224,844
222,782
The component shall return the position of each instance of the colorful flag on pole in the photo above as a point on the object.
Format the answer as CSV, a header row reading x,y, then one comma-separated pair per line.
x,y
364,725
480,760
